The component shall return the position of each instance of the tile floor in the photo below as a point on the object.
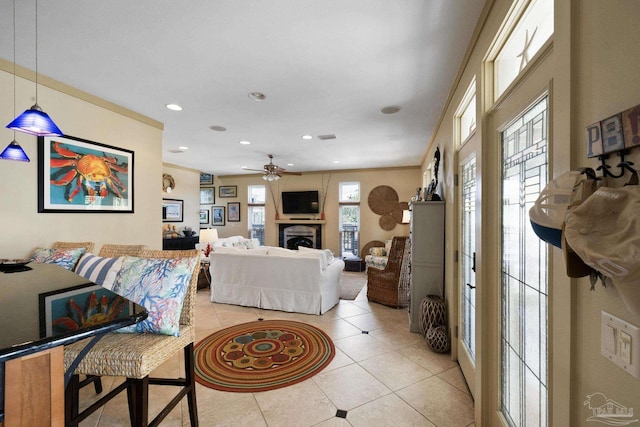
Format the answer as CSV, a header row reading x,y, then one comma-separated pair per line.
x,y
387,377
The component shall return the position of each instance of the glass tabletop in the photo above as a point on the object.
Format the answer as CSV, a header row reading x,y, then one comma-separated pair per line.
x,y
48,306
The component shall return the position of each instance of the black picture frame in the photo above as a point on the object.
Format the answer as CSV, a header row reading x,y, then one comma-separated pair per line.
x,y
233,211
217,215
65,166
228,191
206,178
207,195
204,216
172,210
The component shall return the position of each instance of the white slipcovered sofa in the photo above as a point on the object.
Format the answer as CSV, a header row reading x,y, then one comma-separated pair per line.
x,y
301,281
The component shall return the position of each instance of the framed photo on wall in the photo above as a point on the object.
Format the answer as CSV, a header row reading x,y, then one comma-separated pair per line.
x,y
233,211
172,210
78,175
206,179
228,191
207,195
204,216
217,215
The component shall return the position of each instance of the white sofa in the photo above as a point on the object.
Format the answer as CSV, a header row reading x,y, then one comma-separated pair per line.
x,y
304,281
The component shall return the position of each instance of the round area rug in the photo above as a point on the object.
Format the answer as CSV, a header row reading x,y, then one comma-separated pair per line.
x,y
262,355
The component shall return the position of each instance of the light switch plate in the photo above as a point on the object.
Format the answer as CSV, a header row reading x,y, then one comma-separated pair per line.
x,y
620,343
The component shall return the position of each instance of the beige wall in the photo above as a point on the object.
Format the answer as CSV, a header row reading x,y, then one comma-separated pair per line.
x,y
23,228
605,81
403,180
590,71
187,189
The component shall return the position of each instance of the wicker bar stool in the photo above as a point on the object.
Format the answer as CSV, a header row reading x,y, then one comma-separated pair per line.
x,y
112,250
135,356
391,285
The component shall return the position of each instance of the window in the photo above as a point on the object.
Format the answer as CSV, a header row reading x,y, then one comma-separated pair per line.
x,y
257,197
524,341
532,29
349,218
465,117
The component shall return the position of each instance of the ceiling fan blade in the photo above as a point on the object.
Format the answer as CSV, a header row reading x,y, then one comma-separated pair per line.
x,y
290,173
255,170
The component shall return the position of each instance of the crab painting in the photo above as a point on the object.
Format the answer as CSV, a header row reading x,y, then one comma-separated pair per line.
x,y
94,174
94,312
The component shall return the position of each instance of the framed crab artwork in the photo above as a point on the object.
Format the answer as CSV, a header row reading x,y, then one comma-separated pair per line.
x,y
78,175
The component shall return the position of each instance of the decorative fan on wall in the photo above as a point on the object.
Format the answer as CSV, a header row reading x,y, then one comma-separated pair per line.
x,y
272,172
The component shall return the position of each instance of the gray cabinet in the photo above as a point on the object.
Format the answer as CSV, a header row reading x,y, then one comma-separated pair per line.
x,y
427,256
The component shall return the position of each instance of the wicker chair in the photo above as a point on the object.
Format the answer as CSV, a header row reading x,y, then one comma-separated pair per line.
x,y
135,356
110,250
72,245
391,285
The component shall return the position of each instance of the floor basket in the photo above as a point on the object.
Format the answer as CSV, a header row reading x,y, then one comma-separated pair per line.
x,y
432,313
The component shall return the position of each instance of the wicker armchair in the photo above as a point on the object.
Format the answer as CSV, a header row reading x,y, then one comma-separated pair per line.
x,y
135,356
88,246
391,285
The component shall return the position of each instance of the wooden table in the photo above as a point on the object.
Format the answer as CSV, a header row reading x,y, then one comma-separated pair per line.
x,y
31,346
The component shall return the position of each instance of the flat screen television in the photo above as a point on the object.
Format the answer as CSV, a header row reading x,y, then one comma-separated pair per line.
x,y
300,202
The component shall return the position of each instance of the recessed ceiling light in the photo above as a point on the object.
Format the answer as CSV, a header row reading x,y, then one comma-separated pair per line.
x,y
336,161
392,109
257,96
174,107
218,128
182,147
289,164
307,137
245,142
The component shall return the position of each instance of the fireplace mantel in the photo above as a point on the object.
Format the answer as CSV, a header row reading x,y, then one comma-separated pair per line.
x,y
300,221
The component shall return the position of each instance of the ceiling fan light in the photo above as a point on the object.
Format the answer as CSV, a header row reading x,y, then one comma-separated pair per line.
x,y
36,122
14,152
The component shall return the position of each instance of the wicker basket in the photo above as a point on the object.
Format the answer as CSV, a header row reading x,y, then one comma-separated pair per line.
x,y
432,313
438,339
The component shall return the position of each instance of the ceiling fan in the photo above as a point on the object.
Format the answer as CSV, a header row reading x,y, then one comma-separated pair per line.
x,y
272,172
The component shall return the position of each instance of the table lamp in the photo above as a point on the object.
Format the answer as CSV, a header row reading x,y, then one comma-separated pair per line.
x,y
208,236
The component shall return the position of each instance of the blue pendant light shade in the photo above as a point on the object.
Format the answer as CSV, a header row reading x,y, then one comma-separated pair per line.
x,y
14,152
34,121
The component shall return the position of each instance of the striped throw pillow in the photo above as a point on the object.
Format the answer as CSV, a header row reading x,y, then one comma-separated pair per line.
x,y
99,270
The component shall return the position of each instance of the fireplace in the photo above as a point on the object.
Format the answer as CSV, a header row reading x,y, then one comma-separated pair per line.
x,y
291,236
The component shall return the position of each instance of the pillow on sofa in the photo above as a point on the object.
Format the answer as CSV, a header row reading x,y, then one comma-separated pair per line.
x,y
65,258
274,250
327,255
378,251
100,270
159,285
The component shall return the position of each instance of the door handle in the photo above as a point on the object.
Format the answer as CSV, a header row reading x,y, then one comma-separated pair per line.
x,y
470,286
473,266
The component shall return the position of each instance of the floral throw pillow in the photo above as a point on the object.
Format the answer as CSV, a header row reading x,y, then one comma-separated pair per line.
x,y
159,285
378,251
65,258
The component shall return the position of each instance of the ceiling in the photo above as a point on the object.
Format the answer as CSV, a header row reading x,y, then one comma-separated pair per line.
x,y
326,68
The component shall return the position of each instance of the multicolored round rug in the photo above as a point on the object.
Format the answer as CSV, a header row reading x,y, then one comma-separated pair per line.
x,y
262,355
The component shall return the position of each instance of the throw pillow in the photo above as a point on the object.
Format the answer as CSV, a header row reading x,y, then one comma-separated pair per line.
x,y
159,285
378,251
100,270
65,258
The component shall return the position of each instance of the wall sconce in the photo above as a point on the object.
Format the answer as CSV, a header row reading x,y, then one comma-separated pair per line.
x,y
168,183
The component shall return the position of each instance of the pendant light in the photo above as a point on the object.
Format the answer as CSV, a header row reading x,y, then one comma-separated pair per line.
x,y
13,150
34,121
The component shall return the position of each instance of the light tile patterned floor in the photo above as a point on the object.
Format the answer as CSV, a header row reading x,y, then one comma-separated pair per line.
x,y
387,377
